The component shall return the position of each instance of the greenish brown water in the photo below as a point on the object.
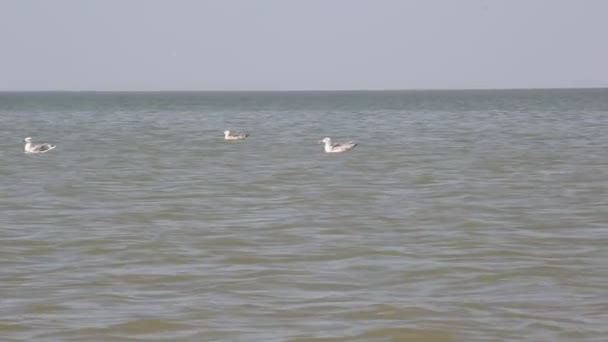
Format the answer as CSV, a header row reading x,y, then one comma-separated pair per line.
x,y
461,216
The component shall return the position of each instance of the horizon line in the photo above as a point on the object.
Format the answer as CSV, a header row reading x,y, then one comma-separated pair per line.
x,y
292,90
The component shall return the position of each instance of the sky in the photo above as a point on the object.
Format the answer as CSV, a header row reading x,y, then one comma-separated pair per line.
x,y
118,45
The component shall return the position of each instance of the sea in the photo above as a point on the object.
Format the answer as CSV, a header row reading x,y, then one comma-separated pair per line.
x,y
461,215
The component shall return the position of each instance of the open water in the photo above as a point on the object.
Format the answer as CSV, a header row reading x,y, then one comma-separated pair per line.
x,y
460,216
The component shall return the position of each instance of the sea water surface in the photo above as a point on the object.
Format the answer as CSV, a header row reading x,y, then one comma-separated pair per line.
x,y
460,216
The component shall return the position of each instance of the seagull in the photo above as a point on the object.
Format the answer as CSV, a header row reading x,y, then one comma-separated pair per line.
x,y
334,148
37,148
234,136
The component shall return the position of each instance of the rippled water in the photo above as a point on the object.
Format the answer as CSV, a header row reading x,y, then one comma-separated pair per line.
x,y
461,216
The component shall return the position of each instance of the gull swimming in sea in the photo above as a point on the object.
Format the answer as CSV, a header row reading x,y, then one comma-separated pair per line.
x,y
234,136
37,148
338,147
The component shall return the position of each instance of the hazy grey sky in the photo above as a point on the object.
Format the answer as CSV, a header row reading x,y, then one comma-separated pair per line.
x,y
302,44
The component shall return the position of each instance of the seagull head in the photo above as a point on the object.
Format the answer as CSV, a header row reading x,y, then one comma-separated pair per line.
x,y
27,140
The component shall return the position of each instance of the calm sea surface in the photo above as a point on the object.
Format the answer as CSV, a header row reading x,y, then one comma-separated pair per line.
x,y
460,216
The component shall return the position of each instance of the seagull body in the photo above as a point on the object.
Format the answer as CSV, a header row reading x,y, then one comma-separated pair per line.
x,y
337,147
36,148
234,136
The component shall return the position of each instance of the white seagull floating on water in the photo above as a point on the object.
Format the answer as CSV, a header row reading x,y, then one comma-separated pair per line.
x,y
338,147
37,148
234,136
